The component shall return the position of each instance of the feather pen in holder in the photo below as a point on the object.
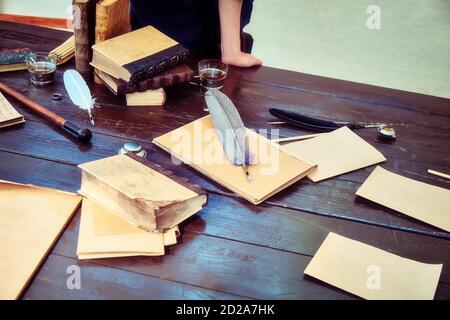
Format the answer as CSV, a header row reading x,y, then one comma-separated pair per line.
x,y
230,129
79,92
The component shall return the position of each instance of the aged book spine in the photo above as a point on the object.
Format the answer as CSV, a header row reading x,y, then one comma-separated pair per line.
x,y
174,76
167,79
84,28
148,67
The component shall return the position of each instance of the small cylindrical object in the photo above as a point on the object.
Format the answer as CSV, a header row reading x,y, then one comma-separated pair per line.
x,y
387,132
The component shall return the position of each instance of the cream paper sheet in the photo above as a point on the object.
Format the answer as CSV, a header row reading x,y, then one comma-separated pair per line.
x,y
416,199
335,153
31,219
372,273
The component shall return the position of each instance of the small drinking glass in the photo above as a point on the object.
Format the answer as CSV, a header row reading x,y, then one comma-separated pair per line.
x,y
42,67
212,73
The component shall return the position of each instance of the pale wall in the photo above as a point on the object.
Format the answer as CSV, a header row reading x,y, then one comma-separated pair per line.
x,y
411,51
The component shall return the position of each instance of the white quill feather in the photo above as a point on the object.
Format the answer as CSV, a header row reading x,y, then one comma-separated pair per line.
x,y
79,92
229,125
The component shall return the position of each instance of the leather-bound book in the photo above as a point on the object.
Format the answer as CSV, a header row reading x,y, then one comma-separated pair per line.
x,y
174,76
138,55
141,193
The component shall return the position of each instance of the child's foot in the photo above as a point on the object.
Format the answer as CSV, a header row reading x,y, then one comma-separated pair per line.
x,y
241,59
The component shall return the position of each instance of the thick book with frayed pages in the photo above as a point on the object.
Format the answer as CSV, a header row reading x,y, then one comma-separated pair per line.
x,y
140,192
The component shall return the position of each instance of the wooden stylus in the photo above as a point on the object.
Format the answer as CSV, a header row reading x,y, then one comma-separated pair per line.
x,y
439,174
84,135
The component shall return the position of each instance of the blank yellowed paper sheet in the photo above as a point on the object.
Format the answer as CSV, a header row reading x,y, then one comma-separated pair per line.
x,y
103,234
335,153
8,115
31,220
372,273
416,199
197,145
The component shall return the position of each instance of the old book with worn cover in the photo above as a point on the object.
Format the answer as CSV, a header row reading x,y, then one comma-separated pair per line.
x,y
140,192
197,144
112,19
12,60
138,55
8,115
174,76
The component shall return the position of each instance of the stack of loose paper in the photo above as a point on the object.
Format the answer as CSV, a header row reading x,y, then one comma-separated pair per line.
x,y
371,273
335,153
103,234
416,199
132,207
31,219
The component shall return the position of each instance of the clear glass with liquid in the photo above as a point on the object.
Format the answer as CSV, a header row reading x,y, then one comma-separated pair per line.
x,y
212,73
42,67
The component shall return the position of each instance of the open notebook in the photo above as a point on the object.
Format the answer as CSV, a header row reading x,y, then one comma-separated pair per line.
x,y
197,145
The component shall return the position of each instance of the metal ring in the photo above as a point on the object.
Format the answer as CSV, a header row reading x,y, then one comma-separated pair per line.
x,y
57,96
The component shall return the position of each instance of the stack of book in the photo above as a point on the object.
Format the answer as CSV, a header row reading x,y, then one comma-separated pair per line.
x,y
132,208
139,64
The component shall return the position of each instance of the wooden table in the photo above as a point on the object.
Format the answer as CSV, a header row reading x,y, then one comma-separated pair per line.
x,y
231,249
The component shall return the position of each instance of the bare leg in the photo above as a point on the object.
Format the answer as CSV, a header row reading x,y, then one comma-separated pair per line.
x,y
230,30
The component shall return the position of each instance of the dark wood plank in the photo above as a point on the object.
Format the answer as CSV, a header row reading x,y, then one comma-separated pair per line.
x,y
416,136
38,140
102,282
241,239
411,150
342,89
16,35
